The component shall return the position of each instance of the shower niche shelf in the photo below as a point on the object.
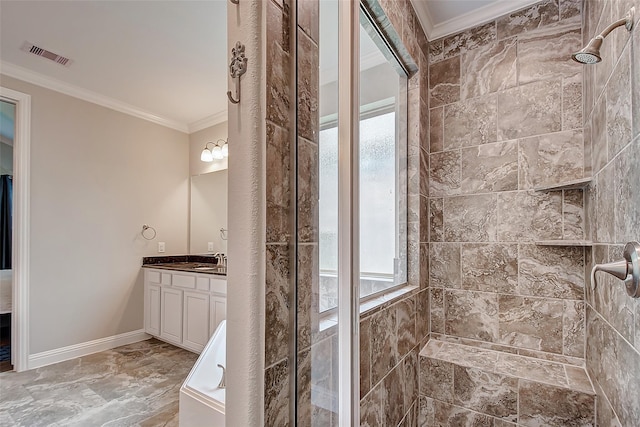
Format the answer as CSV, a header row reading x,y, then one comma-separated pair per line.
x,y
569,185
560,242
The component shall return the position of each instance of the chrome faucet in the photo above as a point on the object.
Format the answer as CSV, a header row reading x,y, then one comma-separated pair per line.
x,y
627,269
222,383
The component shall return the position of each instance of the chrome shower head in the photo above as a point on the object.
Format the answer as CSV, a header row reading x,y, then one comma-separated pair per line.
x,y
590,54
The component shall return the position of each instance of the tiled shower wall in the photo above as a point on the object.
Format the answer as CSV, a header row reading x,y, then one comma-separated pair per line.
x,y
505,103
612,140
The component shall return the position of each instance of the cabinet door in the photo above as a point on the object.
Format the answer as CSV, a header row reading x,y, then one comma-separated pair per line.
x,y
195,329
171,315
152,309
218,308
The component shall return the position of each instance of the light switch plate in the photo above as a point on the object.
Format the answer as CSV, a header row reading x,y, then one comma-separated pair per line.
x,y
161,247
210,246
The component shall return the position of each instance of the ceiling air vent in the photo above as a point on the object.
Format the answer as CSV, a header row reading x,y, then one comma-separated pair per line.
x,y
31,48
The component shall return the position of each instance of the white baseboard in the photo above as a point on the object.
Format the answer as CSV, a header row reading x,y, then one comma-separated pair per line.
x,y
49,357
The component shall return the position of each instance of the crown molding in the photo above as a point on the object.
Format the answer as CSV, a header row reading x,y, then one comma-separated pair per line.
x,y
38,79
212,120
468,20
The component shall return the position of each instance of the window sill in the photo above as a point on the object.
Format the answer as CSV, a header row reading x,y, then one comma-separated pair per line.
x,y
369,306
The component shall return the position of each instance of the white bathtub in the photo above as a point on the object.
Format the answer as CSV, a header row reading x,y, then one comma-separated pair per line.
x,y
201,401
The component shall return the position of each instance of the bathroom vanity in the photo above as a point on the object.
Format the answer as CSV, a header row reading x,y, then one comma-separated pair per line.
x,y
184,301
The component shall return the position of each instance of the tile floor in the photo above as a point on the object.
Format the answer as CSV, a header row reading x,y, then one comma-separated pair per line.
x,y
132,385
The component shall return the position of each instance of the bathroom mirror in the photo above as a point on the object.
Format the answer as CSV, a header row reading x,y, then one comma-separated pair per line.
x,y
208,213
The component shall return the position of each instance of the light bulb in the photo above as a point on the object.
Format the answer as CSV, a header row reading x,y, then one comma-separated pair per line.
x,y
225,150
206,155
217,152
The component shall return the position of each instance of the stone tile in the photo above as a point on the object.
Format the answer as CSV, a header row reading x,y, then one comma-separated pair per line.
x,y
490,168
551,159
451,415
308,86
488,69
605,415
470,218
468,356
603,71
635,80
277,303
436,51
371,409
444,263
436,379
424,219
392,397
308,190
471,122
536,16
444,82
405,325
472,315
276,394
532,369
627,196
423,314
534,323
426,411
308,294
490,267
588,148
573,215
578,379
444,174
436,130
619,121
599,154
309,18
541,404
570,9
527,216
437,310
278,68
424,265
423,174
409,380
609,357
384,344
278,197
547,54
469,39
572,102
573,328
486,392
436,225
531,109
551,272
365,356
552,357
604,198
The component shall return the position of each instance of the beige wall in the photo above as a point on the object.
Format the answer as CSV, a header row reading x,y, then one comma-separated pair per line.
x,y
197,141
97,175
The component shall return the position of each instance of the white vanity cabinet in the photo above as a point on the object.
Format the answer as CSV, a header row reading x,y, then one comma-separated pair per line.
x,y
183,308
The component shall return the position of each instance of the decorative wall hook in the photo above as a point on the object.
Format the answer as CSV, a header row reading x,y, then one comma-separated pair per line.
x,y
237,68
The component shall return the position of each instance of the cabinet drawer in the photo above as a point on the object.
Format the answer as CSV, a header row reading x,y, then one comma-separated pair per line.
x,y
153,276
181,281
202,284
219,286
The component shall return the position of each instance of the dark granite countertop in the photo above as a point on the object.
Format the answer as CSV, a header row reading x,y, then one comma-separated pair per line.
x,y
190,263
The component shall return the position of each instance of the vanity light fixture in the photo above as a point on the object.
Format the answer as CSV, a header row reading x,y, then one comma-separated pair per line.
x,y
219,151
590,54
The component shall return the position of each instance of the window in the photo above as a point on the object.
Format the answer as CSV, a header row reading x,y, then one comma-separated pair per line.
x,y
383,182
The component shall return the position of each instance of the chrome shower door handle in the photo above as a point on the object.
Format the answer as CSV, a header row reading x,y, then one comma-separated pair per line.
x,y
627,269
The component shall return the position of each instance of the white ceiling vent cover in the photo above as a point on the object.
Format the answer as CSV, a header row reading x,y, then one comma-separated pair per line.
x,y
31,48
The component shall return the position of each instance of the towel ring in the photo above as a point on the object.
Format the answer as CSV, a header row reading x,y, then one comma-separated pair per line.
x,y
146,227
